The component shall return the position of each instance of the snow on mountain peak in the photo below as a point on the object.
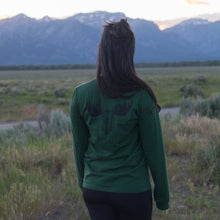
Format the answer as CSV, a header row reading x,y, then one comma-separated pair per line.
x,y
47,18
98,18
194,21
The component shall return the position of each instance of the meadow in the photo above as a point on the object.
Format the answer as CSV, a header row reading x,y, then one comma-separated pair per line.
x,y
37,176
22,91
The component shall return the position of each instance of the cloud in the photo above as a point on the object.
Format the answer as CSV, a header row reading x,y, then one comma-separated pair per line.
x,y
196,2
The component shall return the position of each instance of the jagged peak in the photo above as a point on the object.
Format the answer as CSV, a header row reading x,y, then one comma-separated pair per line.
x,y
20,16
17,19
194,21
100,14
47,18
98,17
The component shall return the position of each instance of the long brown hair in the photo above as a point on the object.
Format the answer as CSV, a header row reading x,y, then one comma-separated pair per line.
x,y
115,73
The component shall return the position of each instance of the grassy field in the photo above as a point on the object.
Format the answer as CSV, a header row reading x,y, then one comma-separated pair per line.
x,y
38,179
22,91
37,175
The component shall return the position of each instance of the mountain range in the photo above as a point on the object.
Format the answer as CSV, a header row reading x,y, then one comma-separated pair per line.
x,y
166,23
74,40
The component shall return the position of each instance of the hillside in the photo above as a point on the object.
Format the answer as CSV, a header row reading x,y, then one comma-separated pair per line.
x,y
74,40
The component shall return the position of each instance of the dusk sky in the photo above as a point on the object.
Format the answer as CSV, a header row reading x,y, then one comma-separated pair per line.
x,y
147,9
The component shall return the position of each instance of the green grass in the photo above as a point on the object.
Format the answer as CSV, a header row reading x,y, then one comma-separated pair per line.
x,y
22,91
192,149
38,179
37,176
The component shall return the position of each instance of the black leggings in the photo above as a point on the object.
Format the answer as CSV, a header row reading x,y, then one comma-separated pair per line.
x,y
118,206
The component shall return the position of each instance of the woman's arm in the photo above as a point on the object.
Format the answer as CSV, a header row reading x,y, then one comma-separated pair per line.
x,y
152,143
80,135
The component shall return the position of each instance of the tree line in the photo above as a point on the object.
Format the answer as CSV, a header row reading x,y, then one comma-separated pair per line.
x,y
93,66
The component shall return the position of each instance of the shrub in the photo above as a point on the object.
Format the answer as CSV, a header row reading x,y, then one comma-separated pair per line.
x,y
14,91
3,84
59,124
204,107
63,101
43,115
61,92
18,135
213,106
201,79
207,162
187,107
190,90
198,139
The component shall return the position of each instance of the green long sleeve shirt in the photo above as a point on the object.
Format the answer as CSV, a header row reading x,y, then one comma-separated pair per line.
x,y
117,141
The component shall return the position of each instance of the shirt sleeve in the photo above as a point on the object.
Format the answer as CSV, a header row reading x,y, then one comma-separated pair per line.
x,y
80,136
153,146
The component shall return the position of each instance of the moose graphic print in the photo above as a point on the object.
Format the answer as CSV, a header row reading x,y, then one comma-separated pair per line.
x,y
95,110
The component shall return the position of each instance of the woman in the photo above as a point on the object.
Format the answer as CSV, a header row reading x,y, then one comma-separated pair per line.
x,y
117,135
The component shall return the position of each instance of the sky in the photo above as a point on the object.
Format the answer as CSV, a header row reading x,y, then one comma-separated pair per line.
x,y
146,9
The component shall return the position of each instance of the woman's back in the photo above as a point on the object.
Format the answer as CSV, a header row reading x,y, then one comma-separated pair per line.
x,y
116,157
